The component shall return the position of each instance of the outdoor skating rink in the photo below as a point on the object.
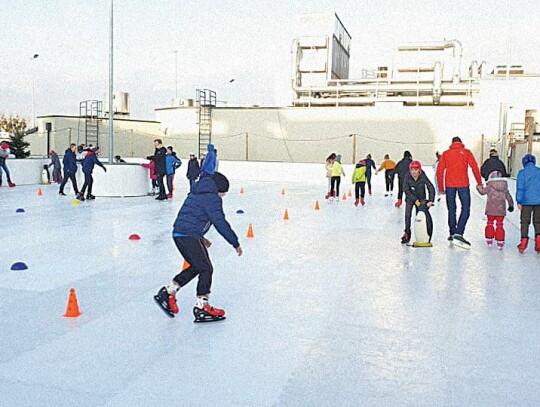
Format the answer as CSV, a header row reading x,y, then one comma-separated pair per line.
x,y
325,309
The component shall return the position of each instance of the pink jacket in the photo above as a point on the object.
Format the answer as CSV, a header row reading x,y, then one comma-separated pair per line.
x,y
497,195
151,166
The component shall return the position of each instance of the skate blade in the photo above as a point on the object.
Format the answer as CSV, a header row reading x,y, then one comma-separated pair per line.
x,y
461,245
420,244
165,310
209,319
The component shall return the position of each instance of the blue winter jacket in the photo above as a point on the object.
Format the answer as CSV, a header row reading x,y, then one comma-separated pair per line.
x,y
203,208
369,165
209,164
89,161
172,162
528,185
70,162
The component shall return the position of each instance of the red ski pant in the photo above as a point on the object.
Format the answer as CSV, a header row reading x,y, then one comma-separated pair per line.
x,y
497,231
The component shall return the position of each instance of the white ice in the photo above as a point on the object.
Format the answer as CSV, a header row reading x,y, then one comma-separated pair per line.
x,y
325,309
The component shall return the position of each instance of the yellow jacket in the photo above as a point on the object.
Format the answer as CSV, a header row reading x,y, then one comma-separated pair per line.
x,y
337,170
359,174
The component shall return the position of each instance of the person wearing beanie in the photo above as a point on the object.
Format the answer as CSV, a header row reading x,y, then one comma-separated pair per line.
x,y
202,208
528,201
359,181
57,167
497,197
453,179
172,162
389,167
208,166
193,170
369,165
70,169
335,180
415,184
5,153
402,169
493,163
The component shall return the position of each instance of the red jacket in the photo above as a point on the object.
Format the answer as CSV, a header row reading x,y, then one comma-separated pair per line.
x,y
456,161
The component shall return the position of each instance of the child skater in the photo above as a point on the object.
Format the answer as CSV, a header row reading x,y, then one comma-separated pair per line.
x,y
497,196
359,180
389,166
153,177
202,208
369,165
528,201
415,184
329,164
337,172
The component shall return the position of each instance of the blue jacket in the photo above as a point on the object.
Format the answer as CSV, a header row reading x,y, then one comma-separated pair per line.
x,y
172,162
369,165
209,164
70,162
89,161
203,208
528,185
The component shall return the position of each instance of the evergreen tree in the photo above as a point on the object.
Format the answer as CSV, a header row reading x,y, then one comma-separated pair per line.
x,y
18,145
17,128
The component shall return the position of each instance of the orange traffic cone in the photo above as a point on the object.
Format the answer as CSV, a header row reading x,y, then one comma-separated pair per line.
x,y
242,190
286,215
317,205
39,192
250,231
350,193
344,197
186,265
282,191
72,310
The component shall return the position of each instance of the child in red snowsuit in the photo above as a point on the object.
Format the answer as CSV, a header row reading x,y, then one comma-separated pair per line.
x,y
497,196
151,166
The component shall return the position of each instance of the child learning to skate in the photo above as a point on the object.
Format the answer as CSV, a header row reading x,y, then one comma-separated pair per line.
x,y
415,184
497,193
359,181
528,201
202,208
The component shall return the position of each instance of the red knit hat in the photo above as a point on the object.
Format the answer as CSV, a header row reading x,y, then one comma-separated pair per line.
x,y
5,146
415,164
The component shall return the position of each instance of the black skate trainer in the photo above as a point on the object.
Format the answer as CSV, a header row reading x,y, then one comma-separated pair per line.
x,y
208,314
162,299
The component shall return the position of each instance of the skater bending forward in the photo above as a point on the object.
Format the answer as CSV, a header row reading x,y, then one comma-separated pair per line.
x,y
415,184
202,208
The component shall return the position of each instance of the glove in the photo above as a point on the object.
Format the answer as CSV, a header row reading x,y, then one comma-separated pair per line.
x,y
104,169
511,208
418,203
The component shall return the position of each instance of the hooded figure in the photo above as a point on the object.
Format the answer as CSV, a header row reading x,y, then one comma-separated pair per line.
x,y
528,182
209,165
493,163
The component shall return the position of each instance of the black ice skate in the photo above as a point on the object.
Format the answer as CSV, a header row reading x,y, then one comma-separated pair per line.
x,y
459,241
207,313
164,300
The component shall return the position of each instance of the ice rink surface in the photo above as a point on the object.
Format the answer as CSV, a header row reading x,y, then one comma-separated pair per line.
x,y
325,309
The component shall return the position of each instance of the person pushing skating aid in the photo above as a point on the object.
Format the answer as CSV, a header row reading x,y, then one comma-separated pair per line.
x,y
202,208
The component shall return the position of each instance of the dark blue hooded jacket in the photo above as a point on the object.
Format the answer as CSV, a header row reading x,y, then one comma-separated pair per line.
x,y
209,164
172,162
70,162
89,161
528,182
203,208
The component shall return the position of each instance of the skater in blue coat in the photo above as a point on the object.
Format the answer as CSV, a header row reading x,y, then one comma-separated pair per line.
x,y
88,163
172,162
528,201
202,208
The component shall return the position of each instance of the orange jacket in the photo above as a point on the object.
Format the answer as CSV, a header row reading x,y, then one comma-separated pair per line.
x,y
453,167
387,165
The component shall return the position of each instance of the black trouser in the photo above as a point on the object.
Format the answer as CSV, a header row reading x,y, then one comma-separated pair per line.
x,y
334,185
408,216
161,185
368,179
88,182
526,212
389,179
359,187
69,176
194,252
400,187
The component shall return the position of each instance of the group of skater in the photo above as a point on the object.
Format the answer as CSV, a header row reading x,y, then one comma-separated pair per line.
x,y
451,179
164,163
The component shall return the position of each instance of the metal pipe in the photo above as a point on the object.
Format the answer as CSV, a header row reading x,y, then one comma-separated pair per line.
x,y
111,107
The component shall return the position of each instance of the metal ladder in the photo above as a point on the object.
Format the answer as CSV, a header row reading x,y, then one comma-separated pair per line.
x,y
92,112
206,100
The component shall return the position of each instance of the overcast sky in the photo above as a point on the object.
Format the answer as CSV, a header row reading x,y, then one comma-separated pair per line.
x,y
218,40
